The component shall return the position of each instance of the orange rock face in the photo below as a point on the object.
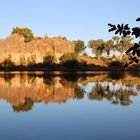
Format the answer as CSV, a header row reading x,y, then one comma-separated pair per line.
x,y
15,48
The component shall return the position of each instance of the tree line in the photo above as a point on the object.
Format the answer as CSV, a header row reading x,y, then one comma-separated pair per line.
x,y
99,46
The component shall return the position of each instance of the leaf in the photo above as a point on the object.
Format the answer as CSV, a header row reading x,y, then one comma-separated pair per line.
x,y
129,50
135,47
121,32
124,33
110,25
137,61
136,32
126,27
117,32
119,26
138,19
128,32
133,52
138,52
112,29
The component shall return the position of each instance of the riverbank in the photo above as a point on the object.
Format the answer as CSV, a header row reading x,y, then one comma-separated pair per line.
x,y
60,68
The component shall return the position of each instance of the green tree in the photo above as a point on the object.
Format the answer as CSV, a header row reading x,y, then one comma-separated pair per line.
x,y
25,32
121,44
98,47
79,46
124,30
108,46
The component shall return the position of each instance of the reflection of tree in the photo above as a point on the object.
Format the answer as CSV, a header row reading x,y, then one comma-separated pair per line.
x,y
7,77
120,96
134,73
26,106
70,77
71,80
49,80
79,92
31,78
49,88
116,75
67,83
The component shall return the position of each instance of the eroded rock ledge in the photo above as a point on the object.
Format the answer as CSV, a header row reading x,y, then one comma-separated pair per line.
x,y
17,50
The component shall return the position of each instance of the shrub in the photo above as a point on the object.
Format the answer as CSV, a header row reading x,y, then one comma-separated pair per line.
x,y
25,32
115,64
83,62
69,59
7,63
49,59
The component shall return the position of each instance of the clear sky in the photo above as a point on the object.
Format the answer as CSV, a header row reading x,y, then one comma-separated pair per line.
x,y
75,19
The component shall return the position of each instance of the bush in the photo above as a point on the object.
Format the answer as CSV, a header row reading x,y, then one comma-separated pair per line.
x,y
25,32
7,63
69,59
115,64
49,59
71,63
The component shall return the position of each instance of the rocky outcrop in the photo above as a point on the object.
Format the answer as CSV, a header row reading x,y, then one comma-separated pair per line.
x,y
14,48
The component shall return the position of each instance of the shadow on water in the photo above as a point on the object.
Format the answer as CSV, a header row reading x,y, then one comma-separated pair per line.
x,y
116,88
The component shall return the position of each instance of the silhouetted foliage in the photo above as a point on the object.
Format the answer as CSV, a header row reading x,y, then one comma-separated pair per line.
x,y
125,30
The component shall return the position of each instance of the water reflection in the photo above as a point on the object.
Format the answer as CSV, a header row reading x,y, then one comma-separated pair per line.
x,y
21,91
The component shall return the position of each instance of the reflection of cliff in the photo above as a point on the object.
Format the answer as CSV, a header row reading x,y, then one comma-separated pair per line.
x,y
23,90
20,87
114,77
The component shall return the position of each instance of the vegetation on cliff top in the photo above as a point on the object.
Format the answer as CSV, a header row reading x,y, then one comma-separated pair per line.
x,y
25,32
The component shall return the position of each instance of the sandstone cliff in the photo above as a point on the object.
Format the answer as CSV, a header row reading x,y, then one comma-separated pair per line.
x,y
17,50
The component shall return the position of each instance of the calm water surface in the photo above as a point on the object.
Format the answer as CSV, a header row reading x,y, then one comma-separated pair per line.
x,y
100,106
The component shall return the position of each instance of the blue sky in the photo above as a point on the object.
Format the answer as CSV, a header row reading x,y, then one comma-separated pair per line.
x,y
75,19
